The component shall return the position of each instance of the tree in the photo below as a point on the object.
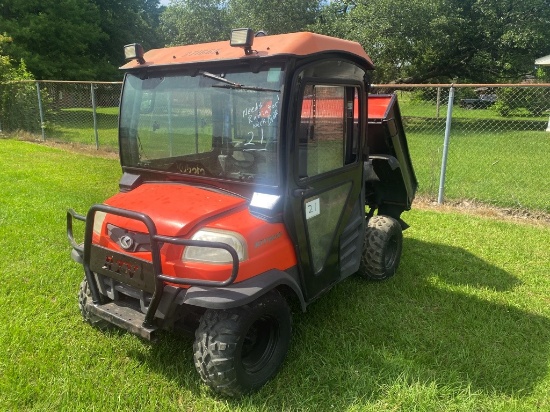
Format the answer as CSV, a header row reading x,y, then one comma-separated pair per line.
x,y
194,21
17,100
512,34
55,37
9,71
125,22
76,39
416,41
274,16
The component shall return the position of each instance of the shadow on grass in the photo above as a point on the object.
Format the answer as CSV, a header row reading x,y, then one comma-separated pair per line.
x,y
426,327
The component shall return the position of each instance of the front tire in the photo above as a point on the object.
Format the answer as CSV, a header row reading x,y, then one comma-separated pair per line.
x,y
382,248
238,350
85,296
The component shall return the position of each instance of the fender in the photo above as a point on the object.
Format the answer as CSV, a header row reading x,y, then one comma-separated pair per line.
x,y
242,293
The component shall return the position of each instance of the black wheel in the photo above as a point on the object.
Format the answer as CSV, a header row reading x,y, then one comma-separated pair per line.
x,y
85,296
382,248
238,350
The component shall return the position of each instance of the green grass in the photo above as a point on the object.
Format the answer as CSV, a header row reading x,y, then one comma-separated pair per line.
x,y
464,325
496,160
492,159
77,126
508,169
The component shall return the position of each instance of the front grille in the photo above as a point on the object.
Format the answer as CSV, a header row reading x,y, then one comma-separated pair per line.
x,y
128,240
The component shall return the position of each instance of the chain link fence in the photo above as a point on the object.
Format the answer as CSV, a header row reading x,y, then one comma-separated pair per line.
x,y
498,142
496,151
68,112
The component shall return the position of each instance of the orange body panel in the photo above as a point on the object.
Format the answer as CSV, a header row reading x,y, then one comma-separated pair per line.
x,y
268,246
176,209
294,44
180,210
378,106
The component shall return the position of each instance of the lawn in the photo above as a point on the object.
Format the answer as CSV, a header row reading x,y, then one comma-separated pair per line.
x,y
506,169
77,126
463,326
493,160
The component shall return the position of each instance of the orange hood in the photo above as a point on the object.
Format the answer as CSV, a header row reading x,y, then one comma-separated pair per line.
x,y
175,208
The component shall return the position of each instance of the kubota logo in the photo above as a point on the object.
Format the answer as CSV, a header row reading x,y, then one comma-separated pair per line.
x,y
126,242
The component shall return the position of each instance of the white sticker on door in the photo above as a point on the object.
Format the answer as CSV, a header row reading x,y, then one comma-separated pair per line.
x,y
313,208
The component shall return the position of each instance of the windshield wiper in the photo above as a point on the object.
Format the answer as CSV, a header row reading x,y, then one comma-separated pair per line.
x,y
233,85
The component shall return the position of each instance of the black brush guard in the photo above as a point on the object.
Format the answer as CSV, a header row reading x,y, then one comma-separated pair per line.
x,y
140,273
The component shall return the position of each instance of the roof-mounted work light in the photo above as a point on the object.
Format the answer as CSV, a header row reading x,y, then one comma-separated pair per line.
x,y
134,51
242,38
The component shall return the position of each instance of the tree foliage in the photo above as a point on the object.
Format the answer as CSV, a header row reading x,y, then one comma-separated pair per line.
x,y
76,39
9,71
415,41
194,21
410,41
124,22
16,100
274,16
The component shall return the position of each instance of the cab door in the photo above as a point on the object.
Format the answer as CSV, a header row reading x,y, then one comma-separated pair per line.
x,y
325,202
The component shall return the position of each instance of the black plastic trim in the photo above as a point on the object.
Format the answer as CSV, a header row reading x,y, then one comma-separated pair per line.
x,y
243,292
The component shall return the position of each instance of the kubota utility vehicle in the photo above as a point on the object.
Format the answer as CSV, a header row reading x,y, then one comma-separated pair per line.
x,y
255,171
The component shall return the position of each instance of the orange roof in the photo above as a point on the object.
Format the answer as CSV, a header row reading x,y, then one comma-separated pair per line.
x,y
297,44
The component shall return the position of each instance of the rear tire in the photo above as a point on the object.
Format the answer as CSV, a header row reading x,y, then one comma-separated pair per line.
x,y
85,296
238,350
381,249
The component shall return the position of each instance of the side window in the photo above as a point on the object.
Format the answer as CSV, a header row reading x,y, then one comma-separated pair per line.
x,y
328,131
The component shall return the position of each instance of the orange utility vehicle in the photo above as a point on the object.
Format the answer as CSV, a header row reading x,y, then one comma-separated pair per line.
x,y
255,171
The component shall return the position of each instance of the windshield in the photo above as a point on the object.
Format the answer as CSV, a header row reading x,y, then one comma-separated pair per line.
x,y
214,124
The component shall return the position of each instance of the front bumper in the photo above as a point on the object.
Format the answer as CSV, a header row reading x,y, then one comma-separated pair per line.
x,y
138,273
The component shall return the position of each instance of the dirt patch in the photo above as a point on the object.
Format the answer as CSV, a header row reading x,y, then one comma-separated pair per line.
x,y
473,207
83,149
80,148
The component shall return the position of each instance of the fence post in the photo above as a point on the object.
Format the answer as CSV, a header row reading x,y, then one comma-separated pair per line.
x,y
438,103
446,145
42,124
92,91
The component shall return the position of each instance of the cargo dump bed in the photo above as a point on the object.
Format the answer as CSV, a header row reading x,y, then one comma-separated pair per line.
x,y
393,185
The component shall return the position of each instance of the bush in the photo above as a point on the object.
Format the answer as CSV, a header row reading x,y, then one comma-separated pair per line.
x,y
19,107
520,101
18,100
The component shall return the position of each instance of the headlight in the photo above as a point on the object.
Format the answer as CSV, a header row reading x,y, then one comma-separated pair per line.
x,y
98,222
215,255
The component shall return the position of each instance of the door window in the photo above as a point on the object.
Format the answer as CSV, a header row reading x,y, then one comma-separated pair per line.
x,y
328,131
